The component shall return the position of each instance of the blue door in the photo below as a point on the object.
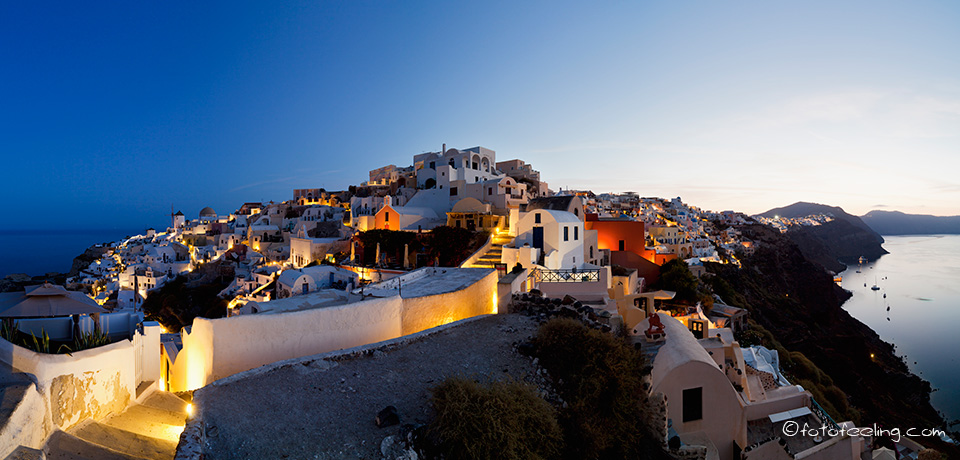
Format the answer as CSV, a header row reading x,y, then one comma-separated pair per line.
x,y
538,237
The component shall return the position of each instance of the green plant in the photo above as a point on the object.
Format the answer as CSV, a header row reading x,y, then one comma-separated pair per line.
x,y
41,345
600,378
87,340
505,420
9,332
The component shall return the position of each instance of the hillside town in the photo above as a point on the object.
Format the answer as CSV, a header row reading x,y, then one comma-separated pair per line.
x,y
451,236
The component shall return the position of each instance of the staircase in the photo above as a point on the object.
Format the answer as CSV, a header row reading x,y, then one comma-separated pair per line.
x,y
147,431
492,256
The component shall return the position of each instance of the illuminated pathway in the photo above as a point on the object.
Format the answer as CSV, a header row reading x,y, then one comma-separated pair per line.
x,y
142,431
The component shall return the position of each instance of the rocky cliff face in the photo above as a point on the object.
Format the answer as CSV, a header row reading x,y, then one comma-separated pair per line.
x,y
83,260
836,243
797,301
843,240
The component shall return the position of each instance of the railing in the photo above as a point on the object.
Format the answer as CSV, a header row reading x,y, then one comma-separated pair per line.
x,y
565,276
138,354
823,415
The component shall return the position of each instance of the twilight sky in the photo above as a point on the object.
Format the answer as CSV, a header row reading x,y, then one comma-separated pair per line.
x,y
111,113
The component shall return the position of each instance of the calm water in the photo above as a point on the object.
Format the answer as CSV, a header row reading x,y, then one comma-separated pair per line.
x,y
41,251
921,280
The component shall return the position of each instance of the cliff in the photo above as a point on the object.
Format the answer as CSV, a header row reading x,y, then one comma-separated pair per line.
x,y
83,260
844,239
898,223
794,298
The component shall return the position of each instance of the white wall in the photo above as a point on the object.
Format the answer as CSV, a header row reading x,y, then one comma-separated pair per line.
x,y
218,348
88,384
570,252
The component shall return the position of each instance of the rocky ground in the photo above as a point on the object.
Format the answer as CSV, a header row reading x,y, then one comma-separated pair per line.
x,y
326,408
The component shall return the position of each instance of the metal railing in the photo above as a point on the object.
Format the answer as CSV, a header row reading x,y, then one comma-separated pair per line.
x,y
823,415
565,276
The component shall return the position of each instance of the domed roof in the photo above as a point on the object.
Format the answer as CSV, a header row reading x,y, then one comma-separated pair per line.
x,y
208,212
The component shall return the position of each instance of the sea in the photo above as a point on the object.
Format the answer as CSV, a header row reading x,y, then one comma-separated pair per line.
x,y
38,252
917,308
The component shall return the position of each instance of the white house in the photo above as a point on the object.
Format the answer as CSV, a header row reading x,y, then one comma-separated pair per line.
x,y
555,238
436,169
310,279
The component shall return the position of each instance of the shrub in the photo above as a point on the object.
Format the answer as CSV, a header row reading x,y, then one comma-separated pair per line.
x,y
599,378
505,420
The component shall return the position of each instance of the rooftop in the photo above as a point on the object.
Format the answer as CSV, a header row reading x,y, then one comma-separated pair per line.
x,y
428,281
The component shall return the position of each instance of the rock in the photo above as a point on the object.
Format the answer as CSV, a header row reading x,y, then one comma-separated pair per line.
x,y
567,312
387,417
18,277
568,299
535,293
577,304
527,349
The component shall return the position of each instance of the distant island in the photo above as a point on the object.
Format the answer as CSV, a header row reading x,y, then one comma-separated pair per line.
x,y
899,223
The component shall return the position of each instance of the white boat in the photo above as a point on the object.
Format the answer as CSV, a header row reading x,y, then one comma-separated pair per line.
x,y
875,287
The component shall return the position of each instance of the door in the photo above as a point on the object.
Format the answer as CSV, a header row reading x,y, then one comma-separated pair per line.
x,y
538,237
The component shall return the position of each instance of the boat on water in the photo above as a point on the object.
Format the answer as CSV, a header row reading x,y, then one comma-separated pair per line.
x,y
875,287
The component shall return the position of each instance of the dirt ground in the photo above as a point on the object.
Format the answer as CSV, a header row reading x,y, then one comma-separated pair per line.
x,y
325,408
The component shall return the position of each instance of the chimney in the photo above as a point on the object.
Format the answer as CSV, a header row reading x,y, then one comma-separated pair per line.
x,y
444,149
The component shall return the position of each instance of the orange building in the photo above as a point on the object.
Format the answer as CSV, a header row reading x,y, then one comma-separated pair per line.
x,y
627,245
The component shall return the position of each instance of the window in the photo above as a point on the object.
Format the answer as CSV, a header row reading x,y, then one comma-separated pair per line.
x,y
386,217
591,252
566,233
433,165
453,191
621,245
489,190
692,404
536,218
576,233
576,212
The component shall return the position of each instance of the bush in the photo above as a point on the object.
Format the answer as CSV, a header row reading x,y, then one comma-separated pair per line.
x,y
498,420
675,276
599,378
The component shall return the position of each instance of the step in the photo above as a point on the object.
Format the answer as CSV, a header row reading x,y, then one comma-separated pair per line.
x,y
149,421
25,453
166,401
125,441
64,446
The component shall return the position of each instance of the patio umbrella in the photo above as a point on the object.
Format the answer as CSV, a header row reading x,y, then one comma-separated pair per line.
x,y
46,300
662,295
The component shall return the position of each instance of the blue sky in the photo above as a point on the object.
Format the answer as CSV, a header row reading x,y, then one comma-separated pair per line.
x,y
111,113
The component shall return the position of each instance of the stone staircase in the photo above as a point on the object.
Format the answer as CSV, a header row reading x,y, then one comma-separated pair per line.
x,y
146,431
492,256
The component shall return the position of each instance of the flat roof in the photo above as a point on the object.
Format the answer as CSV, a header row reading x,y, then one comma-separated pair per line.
x,y
431,281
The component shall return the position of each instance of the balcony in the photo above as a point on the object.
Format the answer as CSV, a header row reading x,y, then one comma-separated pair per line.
x,y
565,276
